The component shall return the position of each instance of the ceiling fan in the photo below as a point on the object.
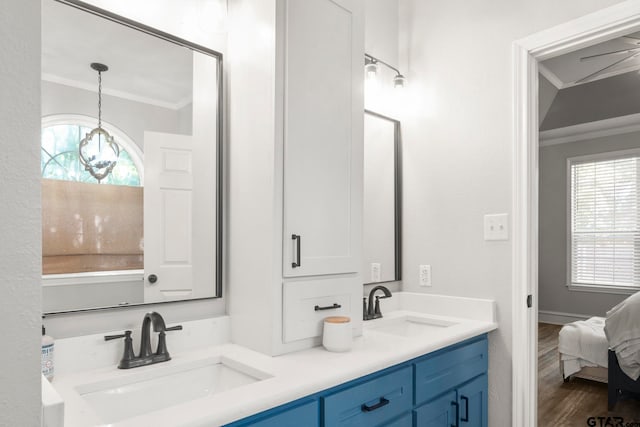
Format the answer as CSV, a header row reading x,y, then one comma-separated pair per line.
x,y
629,53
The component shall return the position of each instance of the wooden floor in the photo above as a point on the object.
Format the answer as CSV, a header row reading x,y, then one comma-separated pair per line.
x,y
572,403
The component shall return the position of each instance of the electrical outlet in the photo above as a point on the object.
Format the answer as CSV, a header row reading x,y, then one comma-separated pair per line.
x,y
425,275
375,272
496,227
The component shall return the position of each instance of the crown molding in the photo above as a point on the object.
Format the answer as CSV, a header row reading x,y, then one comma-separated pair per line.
x,y
52,78
598,129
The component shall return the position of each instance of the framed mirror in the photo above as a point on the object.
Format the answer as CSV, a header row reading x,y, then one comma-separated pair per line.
x,y
382,199
149,231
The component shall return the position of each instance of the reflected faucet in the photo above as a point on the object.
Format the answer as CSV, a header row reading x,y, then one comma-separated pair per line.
x,y
146,356
373,312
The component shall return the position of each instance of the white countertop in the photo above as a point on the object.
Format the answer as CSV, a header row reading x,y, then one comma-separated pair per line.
x,y
294,375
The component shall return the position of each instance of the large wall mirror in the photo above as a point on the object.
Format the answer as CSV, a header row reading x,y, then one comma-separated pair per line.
x,y
149,230
382,199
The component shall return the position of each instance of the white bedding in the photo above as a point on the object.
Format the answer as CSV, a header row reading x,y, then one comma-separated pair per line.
x,y
583,343
623,332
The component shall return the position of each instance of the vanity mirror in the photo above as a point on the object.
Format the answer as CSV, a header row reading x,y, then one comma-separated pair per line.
x,y
150,231
382,199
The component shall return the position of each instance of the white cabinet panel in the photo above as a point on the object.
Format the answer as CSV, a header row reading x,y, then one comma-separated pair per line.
x,y
322,129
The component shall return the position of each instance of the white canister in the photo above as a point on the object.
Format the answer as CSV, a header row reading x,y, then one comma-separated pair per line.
x,y
337,334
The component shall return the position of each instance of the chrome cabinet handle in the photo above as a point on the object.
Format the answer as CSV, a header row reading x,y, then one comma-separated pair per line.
x,y
298,240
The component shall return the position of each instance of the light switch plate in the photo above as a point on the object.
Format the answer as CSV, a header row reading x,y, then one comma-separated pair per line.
x,y
496,227
375,272
425,275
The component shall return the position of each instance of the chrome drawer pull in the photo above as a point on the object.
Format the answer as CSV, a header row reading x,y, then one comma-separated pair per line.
x,y
383,402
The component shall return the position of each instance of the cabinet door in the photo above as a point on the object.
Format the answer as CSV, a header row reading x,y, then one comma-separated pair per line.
x,y
472,398
440,412
323,132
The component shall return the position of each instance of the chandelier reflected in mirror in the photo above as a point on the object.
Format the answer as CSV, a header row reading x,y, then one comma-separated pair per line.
x,y
98,152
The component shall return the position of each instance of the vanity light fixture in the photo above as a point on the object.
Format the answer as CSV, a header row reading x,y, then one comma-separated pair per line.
x,y
98,152
371,68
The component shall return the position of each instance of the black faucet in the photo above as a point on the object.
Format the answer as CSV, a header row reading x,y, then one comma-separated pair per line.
x,y
146,356
373,312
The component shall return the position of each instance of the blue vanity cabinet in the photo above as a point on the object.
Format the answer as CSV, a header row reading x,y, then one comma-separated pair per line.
x,y
442,389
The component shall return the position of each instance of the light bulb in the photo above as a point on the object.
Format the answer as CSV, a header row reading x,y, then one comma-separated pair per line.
x,y
399,81
371,69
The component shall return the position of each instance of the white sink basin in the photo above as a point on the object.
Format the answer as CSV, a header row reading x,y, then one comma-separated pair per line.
x,y
156,387
409,326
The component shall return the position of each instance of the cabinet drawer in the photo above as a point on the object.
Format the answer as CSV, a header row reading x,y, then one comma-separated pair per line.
x,y
303,415
448,369
405,420
300,317
373,403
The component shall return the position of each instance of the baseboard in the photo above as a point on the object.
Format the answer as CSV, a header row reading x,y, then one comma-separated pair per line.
x,y
559,318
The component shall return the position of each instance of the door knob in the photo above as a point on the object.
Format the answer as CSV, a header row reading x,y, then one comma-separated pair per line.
x,y
152,278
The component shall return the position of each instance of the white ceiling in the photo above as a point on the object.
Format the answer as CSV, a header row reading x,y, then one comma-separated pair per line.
x,y
141,67
574,68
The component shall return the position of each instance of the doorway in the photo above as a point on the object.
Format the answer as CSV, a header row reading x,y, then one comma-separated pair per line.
x,y
598,27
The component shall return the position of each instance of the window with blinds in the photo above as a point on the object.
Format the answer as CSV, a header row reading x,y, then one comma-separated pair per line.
x,y
605,235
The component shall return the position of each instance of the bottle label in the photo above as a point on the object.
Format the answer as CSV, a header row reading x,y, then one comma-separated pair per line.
x,y
47,361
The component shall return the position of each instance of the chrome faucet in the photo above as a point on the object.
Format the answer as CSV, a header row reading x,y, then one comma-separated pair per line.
x,y
146,356
373,311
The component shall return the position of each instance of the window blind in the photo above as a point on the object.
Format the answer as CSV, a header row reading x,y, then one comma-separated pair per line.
x,y
605,235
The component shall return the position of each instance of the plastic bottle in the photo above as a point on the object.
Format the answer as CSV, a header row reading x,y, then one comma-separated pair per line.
x,y
47,355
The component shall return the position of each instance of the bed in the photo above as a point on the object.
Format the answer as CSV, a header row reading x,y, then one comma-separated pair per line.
x,y
605,349
583,348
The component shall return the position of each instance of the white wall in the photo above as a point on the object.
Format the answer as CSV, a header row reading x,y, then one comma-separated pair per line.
x,y
458,147
132,117
381,30
381,41
552,278
20,251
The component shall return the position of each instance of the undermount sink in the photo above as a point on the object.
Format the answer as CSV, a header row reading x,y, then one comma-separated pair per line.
x,y
158,387
409,326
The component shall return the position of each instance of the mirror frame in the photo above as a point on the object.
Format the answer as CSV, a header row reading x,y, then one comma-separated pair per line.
x,y
135,25
397,187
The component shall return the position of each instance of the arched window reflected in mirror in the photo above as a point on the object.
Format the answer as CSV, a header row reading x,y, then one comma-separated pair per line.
x,y
89,226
